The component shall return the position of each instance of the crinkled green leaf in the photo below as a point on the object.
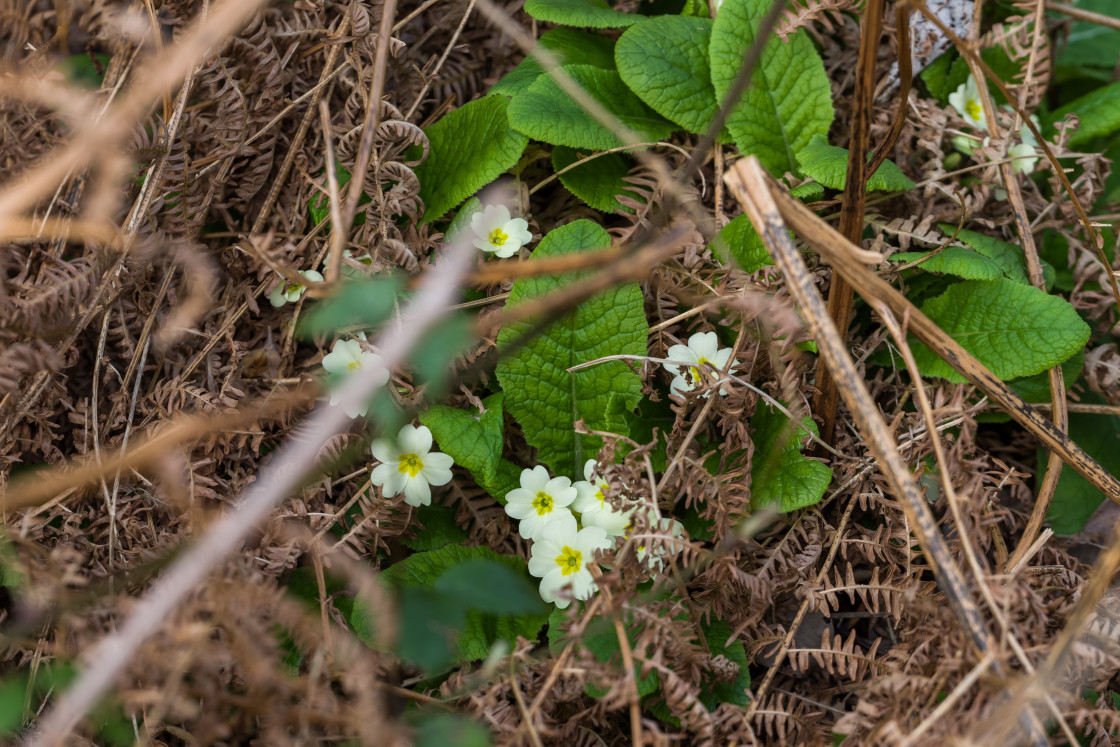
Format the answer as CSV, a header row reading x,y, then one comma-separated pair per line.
x,y
1037,388
789,99
480,630
469,148
437,529
828,164
1075,498
945,74
1099,112
739,239
489,586
540,393
597,181
665,61
438,728
780,474
545,112
714,691
594,14
1013,329
472,439
569,46
807,192
1009,257
954,260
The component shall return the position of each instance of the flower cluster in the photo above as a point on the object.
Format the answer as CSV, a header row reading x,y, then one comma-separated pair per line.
x,y
409,466
966,100
564,546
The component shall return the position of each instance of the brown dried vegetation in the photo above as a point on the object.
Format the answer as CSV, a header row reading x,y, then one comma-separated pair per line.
x,y
105,339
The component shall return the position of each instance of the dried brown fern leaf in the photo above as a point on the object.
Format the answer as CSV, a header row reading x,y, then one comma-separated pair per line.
x,y
822,13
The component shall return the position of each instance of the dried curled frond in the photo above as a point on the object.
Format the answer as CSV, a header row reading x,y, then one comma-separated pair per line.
x,y
822,13
22,359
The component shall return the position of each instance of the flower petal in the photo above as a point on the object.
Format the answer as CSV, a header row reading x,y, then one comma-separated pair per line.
x,y
394,483
416,492
434,474
385,451
705,345
382,473
415,440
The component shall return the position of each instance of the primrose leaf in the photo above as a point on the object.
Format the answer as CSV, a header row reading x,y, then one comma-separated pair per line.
x,y
480,629
469,147
1009,257
545,112
713,691
1014,329
540,392
739,239
473,440
665,61
601,639
596,182
436,728
954,260
594,14
780,474
789,99
568,46
1099,112
438,529
1075,498
828,164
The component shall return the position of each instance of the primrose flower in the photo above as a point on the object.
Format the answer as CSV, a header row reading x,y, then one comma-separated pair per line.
x,y
966,100
288,291
593,507
654,557
409,465
347,356
353,272
538,500
702,347
1025,155
498,233
560,560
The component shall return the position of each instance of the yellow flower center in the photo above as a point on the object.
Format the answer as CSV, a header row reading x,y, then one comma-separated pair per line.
x,y
973,109
498,237
292,288
601,496
569,560
543,503
695,370
354,364
410,464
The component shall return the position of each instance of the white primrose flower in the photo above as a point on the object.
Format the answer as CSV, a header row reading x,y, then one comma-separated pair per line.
x,y
560,560
409,465
353,272
289,292
1025,155
966,100
702,347
498,233
594,508
347,356
654,557
538,500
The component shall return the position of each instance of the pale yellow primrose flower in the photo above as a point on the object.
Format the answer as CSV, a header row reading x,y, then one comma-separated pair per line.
x,y
702,347
593,507
347,356
498,233
538,500
966,100
289,292
560,559
353,272
409,465
1025,155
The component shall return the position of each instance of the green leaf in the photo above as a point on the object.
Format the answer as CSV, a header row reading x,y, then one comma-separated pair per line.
x,y
468,148
1075,498
789,99
780,474
1013,329
601,639
1009,257
462,220
361,302
596,182
807,192
945,75
568,46
828,164
438,529
739,239
429,626
954,260
480,630
319,204
472,439
1091,47
437,728
1099,112
540,392
545,112
665,61
712,691
488,586
594,14
1037,388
